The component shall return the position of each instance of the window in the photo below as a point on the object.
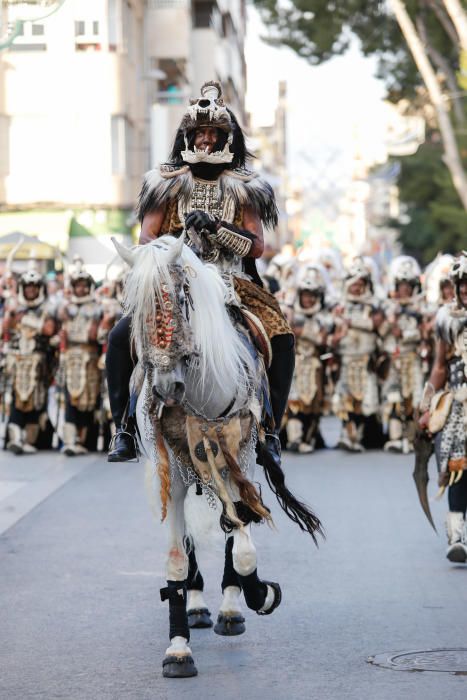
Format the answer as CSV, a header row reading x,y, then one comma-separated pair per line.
x,y
118,145
80,28
30,38
202,13
87,35
113,24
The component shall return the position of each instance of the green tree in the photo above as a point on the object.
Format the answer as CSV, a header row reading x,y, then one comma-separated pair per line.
x,y
435,220
418,58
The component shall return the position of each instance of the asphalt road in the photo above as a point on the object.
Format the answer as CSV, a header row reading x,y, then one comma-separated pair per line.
x,y
82,560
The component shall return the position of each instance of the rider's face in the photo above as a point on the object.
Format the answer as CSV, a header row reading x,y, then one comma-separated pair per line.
x,y
206,138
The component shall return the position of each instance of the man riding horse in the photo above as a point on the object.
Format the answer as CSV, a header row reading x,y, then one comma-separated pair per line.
x,y
206,190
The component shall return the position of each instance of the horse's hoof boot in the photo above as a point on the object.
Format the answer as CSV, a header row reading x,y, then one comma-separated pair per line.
x,y
229,625
277,598
199,618
179,667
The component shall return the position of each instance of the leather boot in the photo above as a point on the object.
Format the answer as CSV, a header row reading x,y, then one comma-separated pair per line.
x,y
280,375
119,367
123,445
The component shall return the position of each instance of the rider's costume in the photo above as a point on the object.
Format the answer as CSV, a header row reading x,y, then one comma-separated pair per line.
x,y
207,195
30,359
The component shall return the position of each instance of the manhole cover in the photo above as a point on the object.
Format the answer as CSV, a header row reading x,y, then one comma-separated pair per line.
x,y
442,660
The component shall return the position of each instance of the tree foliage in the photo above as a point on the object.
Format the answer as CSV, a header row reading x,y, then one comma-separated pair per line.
x,y
317,30
436,221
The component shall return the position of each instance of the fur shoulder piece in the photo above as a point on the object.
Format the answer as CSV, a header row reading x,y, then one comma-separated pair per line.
x,y
241,174
247,188
160,186
450,321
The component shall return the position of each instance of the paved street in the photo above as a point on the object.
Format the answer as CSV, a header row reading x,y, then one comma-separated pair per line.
x,y
82,560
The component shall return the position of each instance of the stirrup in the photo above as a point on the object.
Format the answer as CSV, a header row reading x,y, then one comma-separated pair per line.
x,y
135,444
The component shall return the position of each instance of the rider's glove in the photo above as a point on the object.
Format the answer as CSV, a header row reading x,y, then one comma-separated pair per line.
x,y
201,221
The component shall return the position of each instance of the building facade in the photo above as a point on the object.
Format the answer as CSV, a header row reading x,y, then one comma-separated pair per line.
x,y
208,44
90,99
73,119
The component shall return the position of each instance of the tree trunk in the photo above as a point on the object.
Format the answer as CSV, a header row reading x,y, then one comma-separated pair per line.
x,y
459,20
443,66
451,152
445,21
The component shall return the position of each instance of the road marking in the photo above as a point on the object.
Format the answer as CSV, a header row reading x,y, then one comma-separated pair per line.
x,y
29,494
7,488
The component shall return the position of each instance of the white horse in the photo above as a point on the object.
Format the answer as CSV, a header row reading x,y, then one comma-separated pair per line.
x,y
199,385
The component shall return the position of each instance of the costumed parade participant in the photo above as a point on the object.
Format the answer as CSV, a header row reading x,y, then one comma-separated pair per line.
x,y
206,189
80,316
402,336
311,324
204,427
443,409
29,326
357,321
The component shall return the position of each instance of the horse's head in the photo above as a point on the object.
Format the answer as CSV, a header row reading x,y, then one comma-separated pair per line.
x,y
157,297
182,330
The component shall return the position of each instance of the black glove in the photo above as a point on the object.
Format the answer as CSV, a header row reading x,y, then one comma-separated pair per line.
x,y
201,221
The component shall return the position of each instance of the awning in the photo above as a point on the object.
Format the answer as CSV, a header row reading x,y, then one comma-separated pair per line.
x,y
31,248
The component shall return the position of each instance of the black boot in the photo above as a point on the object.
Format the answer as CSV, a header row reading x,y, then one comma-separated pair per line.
x,y
119,366
123,447
280,375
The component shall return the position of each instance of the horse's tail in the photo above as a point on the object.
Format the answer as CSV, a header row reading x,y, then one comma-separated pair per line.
x,y
297,511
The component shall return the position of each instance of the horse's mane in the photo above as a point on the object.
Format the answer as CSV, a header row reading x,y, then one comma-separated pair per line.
x,y
223,355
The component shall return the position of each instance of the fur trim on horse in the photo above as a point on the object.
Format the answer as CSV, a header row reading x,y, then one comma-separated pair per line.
x,y
244,186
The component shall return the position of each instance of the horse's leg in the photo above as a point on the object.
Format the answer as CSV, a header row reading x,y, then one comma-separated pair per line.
x,y
199,616
178,661
230,621
261,596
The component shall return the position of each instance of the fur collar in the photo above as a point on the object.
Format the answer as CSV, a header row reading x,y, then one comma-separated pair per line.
x,y
245,187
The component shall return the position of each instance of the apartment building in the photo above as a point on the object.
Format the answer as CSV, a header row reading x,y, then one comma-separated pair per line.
x,y
208,44
73,120
90,99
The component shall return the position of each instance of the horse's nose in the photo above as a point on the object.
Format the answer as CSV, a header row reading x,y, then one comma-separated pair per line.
x,y
178,391
171,395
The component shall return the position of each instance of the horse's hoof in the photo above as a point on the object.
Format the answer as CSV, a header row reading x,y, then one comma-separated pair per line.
x,y
179,667
277,598
229,625
199,618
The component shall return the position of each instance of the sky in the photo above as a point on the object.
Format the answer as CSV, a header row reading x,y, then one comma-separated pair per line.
x,y
327,105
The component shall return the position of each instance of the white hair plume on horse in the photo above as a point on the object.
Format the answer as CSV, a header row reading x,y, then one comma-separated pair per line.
x,y
222,354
